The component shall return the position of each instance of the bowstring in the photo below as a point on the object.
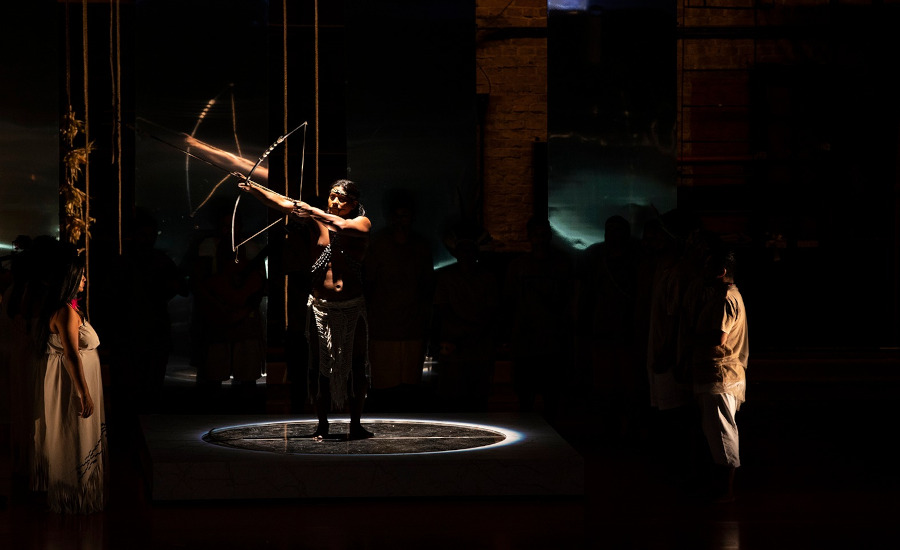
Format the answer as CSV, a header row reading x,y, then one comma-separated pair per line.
x,y
276,143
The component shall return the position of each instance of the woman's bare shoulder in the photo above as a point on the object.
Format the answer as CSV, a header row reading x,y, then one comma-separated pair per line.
x,y
64,317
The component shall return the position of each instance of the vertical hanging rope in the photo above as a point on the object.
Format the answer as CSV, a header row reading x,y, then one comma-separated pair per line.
x,y
115,71
680,108
112,76
75,216
284,122
316,93
69,124
112,99
119,111
68,61
284,91
87,164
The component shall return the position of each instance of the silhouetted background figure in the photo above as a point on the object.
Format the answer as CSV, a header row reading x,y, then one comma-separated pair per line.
x,y
11,287
19,244
337,325
145,281
6,334
645,266
399,280
606,303
714,353
679,435
539,307
672,422
32,268
228,290
295,263
70,457
466,301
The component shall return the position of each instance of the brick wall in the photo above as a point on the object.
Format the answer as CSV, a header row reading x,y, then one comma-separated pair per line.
x,y
511,61
787,128
727,135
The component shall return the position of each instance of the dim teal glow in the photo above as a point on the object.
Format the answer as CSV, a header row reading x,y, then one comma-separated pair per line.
x,y
580,205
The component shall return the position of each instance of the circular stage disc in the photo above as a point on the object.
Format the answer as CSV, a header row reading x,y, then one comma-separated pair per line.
x,y
391,437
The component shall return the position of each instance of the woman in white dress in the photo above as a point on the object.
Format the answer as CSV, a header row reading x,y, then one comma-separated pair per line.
x,y
70,430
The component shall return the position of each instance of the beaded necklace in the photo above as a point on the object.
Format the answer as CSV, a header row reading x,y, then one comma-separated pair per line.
x,y
320,266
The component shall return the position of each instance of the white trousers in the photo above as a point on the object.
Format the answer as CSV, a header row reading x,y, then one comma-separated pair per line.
x,y
717,411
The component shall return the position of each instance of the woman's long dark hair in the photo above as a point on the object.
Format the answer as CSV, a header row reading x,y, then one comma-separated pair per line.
x,y
62,287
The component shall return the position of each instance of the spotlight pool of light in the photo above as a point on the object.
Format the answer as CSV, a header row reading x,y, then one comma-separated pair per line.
x,y
392,437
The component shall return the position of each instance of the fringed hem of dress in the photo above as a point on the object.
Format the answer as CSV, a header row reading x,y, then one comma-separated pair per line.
x,y
85,498
39,473
87,494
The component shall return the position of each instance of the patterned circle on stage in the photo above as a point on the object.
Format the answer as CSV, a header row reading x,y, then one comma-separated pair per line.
x,y
390,437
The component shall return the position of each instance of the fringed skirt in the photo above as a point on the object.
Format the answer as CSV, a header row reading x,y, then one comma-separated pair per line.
x,y
335,324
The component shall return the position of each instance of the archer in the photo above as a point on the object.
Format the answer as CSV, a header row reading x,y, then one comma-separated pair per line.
x,y
339,370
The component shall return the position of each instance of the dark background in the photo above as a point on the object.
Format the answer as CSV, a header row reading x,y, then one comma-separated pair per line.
x,y
396,110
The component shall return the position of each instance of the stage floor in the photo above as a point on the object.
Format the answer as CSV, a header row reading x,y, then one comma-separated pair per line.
x,y
195,457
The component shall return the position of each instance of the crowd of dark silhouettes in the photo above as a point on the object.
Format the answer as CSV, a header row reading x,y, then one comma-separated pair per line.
x,y
592,336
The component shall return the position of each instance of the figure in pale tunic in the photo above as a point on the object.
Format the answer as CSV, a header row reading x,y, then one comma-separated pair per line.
x,y
718,355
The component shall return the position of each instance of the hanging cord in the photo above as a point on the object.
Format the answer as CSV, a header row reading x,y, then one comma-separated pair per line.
x,y
68,61
316,84
119,109
284,99
284,93
74,219
87,163
115,70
